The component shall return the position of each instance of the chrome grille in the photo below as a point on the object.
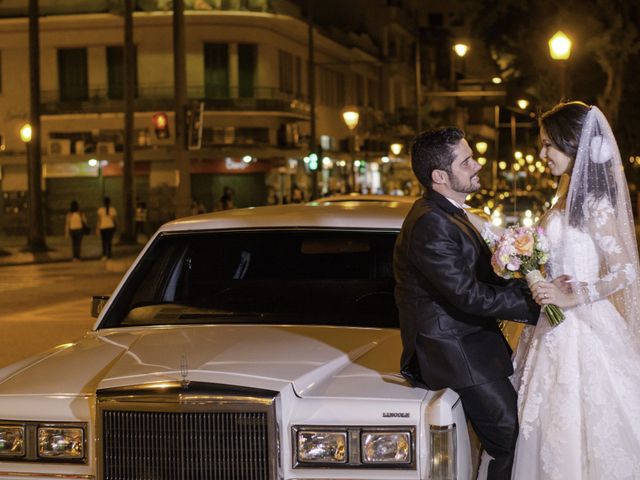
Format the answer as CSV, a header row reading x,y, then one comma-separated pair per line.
x,y
190,437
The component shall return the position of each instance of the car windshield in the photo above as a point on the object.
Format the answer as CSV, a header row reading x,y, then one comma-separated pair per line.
x,y
298,277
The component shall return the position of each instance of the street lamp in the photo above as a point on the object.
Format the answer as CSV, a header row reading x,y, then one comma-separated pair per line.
x,y
461,49
25,133
395,148
523,103
351,117
560,49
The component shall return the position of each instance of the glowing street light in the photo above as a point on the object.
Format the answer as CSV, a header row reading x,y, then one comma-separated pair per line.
x,y
351,117
26,133
396,148
560,49
523,103
496,80
481,147
560,46
461,49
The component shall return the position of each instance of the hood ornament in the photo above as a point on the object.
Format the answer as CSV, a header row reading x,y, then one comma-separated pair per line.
x,y
184,371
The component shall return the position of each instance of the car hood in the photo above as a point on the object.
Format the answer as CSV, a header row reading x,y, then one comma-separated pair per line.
x,y
316,361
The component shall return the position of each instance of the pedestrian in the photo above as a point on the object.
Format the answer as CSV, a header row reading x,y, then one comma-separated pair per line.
x,y
226,200
297,195
106,226
75,226
141,220
197,208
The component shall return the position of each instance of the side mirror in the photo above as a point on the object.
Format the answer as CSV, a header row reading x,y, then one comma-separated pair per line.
x,y
97,303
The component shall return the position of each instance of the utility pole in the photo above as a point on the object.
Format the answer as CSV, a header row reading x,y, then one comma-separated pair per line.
x,y
127,236
313,147
183,194
36,241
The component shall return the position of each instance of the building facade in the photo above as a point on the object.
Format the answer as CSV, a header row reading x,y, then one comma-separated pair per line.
x,y
249,98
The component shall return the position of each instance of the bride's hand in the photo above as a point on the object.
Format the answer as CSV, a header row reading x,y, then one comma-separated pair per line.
x,y
563,282
546,293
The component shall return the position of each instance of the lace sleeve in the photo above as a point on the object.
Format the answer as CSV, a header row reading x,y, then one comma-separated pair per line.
x,y
618,270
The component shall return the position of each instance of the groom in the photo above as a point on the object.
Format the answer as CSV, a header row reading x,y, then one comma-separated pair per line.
x,y
449,298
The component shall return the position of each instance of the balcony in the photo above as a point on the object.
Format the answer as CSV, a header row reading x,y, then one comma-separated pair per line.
x,y
153,98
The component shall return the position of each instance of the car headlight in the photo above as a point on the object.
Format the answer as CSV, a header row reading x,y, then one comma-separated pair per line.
x,y
386,447
322,446
11,440
442,446
351,446
61,442
38,441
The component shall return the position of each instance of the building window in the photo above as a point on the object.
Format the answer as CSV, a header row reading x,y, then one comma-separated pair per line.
x,y
297,73
73,74
285,70
372,93
251,135
247,59
331,88
115,72
359,89
216,70
436,20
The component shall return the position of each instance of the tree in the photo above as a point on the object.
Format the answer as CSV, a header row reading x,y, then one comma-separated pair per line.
x,y
605,35
36,240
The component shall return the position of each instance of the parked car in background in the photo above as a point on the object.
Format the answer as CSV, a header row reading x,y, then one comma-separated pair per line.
x,y
247,344
366,197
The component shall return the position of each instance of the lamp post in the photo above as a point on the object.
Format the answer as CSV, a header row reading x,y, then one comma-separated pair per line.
x,y
25,134
351,118
395,148
460,50
560,50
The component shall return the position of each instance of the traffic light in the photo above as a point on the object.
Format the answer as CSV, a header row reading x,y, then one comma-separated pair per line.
x,y
313,162
161,124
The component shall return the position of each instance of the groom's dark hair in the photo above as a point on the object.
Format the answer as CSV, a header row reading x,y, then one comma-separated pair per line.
x,y
433,150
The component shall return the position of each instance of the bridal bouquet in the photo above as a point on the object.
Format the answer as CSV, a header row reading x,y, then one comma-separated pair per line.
x,y
521,252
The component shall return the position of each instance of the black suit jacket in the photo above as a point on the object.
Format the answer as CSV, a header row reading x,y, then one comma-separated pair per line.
x,y
449,300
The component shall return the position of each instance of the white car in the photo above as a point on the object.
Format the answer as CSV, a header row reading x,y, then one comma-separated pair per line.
x,y
248,344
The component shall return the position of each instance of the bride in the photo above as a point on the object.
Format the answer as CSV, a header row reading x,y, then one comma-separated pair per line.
x,y
578,383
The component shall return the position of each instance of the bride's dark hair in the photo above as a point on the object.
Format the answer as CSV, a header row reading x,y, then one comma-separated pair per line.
x,y
563,124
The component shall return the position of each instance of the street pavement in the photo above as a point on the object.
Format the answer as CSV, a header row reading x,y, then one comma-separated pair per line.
x,y
13,250
47,304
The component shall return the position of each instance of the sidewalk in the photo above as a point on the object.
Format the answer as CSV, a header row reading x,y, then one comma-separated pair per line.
x,y
12,250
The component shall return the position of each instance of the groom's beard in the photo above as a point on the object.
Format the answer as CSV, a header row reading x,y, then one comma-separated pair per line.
x,y
469,186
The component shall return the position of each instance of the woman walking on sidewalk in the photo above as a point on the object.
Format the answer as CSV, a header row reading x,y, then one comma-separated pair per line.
x,y
106,226
74,227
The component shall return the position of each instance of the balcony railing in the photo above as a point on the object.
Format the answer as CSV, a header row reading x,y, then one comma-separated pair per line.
x,y
153,98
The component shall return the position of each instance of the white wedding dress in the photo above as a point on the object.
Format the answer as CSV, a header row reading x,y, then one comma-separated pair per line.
x,y
578,383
